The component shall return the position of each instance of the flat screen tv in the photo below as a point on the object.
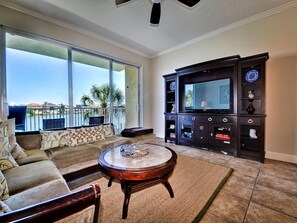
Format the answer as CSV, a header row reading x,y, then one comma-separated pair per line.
x,y
212,96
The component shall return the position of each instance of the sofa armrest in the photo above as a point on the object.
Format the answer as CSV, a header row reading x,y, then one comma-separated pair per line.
x,y
58,208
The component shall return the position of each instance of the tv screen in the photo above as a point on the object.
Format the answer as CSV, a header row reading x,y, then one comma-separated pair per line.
x,y
208,96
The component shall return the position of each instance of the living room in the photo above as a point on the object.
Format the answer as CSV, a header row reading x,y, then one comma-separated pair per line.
x,y
273,32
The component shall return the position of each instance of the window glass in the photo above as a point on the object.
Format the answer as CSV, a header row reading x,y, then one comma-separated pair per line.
x,y
43,93
125,96
36,77
90,88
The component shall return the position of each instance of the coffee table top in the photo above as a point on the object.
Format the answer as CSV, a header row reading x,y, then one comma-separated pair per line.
x,y
157,155
159,161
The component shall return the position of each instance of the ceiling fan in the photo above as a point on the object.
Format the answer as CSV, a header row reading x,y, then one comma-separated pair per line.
x,y
156,9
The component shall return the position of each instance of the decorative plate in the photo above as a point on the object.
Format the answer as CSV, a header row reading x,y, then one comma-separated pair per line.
x,y
252,75
134,150
172,86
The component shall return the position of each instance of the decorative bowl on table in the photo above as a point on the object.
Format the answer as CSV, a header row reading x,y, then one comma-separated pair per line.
x,y
134,150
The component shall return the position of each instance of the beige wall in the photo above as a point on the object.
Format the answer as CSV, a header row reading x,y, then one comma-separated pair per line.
x,y
281,122
27,23
131,92
276,35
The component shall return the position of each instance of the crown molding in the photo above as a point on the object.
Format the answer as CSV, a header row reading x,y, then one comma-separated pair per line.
x,y
70,26
235,25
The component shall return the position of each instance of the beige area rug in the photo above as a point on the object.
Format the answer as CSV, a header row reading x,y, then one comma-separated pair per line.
x,y
195,184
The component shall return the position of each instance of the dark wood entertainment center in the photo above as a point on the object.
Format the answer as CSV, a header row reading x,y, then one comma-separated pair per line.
x,y
218,105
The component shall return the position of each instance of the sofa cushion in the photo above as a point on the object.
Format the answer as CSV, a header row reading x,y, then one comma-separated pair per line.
x,y
67,156
24,177
80,136
4,208
34,155
78,166
4,192
16,150
6,159
108,130
147,138
29,141
52,139
37,194
110,142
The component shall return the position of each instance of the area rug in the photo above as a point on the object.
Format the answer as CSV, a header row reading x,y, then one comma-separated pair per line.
x,y
195,184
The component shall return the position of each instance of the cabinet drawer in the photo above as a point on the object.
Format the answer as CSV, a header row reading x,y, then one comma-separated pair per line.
x,y
201,127
225,119
201,138
223,143
251,144
250,121
170,117
187,118
205,119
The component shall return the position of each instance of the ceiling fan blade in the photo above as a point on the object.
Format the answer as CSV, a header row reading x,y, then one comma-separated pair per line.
x,y
118,2
156,13
189,3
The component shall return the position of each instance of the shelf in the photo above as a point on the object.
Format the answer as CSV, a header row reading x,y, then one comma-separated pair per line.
x,y
251,155
249,138
253,83
249,99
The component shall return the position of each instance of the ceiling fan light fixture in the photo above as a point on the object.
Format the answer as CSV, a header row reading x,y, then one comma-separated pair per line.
x,y
156,12
189,3
118,2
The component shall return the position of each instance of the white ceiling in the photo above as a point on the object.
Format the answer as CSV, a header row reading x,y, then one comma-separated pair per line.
x,y
128,25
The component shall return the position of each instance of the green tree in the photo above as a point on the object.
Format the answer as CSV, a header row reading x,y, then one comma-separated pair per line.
x,y
99,98
189,98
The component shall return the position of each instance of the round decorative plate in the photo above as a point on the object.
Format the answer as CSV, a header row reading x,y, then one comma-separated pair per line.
x,y
252,75
172,86
134,150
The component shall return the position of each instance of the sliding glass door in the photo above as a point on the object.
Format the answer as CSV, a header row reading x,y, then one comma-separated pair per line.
x,y
125,95
90,88
36,77
68,85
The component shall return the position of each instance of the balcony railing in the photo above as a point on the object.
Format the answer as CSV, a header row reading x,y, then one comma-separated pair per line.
x,y
35,116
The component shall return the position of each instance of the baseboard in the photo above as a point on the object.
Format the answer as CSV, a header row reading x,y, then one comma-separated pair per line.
x,y
160,135
281,157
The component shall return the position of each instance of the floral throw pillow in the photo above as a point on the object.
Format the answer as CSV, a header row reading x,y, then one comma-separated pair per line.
x,y
4,192
85,135
108,130
17,151
53,139
6,159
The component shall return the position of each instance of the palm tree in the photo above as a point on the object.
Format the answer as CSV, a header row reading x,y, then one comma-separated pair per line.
x,y
99,98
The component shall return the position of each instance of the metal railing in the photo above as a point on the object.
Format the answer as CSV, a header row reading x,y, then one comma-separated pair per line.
x,y
35,116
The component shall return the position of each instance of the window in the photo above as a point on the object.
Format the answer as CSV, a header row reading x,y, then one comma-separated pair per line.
x,y
125,96
37,76
90,76
56,81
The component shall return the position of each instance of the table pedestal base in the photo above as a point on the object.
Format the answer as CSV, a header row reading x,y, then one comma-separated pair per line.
x,y
129,187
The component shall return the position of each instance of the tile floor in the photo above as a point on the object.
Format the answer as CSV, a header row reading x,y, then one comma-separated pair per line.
x,y
255,192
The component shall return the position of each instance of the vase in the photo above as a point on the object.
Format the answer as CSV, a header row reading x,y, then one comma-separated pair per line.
x,y
251,109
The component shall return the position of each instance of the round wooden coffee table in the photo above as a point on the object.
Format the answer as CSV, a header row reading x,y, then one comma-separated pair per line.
x,y
138,173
